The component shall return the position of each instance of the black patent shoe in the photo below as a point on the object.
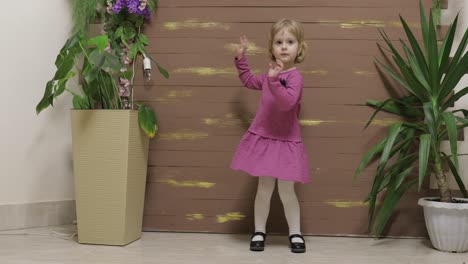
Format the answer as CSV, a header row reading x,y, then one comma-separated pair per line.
x,y
257,245
297,247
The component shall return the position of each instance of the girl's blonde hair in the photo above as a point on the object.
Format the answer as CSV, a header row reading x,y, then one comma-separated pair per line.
x,y
294,27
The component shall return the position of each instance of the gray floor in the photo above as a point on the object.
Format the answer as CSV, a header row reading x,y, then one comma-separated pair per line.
x,y
57,245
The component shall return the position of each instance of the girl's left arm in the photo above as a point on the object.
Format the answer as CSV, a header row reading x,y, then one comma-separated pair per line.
x,y
287,97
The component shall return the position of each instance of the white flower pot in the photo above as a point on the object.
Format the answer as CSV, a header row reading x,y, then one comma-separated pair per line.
x,y
447,224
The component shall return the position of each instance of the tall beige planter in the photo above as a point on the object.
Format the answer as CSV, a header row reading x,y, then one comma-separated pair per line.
x,y
110,156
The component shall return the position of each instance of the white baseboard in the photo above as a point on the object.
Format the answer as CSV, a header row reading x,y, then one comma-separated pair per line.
x,y
18,216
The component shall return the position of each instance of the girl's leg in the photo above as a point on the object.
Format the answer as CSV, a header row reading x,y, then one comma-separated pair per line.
x,y
266,185
291,208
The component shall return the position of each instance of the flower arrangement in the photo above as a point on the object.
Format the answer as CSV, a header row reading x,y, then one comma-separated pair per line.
x,y
105,63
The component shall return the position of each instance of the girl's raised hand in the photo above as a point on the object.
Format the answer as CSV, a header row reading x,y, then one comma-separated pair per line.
x,y
275,69
244,44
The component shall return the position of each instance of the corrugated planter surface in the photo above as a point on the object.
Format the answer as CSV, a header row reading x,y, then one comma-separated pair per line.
x,y
447,223
110,156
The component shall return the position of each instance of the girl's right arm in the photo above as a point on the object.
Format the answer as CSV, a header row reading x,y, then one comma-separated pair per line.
x,y
245,75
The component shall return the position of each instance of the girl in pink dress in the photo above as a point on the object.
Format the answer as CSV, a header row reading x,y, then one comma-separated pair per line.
x,y
272,148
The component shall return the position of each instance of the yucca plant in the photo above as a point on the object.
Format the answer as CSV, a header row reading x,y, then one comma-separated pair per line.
x,y
427,120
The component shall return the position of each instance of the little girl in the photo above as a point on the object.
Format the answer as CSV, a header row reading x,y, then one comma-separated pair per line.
x,y
272,148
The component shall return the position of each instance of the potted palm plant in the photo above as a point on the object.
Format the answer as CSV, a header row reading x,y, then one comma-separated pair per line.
x,y
414,144
110,133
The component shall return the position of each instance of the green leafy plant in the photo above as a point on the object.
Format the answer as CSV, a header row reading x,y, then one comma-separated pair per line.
x,y
83,13
414,144
105,63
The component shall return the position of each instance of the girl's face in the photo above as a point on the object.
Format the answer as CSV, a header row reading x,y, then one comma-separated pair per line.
x,y
285,48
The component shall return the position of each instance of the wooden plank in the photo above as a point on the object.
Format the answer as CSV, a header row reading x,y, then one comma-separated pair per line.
x,y
185,29
206,178
218,198
218,215
192,140
313,227
295,3
271,14
403,226
236,94
358,114
224,63
222,159
211,208
318,71
334,186
258,46
187,74
230,125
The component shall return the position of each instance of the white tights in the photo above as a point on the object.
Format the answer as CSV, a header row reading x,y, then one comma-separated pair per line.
x,y
288,197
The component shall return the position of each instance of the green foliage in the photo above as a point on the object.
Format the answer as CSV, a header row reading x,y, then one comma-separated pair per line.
x,y
83,13
147,120
98,61
96,74
416,141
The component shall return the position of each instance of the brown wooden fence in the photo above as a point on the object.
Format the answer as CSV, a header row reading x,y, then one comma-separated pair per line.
x,y
203,110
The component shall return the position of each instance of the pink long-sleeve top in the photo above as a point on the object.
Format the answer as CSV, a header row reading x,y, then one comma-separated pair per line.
x,y
279,106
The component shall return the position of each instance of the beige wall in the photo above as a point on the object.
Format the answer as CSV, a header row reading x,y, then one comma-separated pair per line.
x,y
35,150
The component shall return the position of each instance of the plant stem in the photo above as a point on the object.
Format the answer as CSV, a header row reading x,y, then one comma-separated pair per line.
x,y
86,58
441,178
133,73
131,83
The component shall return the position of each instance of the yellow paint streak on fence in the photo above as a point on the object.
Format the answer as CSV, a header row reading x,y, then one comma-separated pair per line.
x,y
384,122
375,122
195,24
346,204
364,72
365,23
183,135
231,216
253,49
316,72
351,24
228,121
175,94
314,122
192,217
207,71
190,184
362,23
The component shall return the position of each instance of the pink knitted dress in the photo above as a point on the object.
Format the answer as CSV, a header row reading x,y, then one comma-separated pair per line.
x,y
273,146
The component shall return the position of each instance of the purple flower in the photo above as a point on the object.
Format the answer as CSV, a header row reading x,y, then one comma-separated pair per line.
x,y
137,7
146,13
132,6
119,4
